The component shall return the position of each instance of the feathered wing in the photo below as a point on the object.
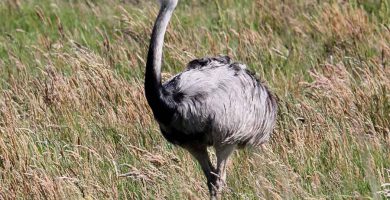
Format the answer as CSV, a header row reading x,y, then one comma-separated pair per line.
x,y
222,102
208,61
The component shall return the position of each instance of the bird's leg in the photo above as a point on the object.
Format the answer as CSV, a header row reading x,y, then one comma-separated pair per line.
x,y
201,155
223,153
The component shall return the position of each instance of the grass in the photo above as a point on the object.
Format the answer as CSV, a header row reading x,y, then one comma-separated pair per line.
x,y
74,123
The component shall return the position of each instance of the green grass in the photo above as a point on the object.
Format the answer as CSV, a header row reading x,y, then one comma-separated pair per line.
x,y
73,117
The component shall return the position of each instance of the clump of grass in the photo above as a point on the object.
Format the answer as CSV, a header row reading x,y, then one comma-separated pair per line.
x,y
74,122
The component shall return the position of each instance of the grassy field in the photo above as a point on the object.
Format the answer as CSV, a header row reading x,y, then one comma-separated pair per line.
x,y
74,123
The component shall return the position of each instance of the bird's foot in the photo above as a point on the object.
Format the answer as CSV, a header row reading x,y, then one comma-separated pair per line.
x,y
220,184
216,188
213,186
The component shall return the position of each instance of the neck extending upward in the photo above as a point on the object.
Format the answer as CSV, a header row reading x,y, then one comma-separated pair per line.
x,y
153,86
170,4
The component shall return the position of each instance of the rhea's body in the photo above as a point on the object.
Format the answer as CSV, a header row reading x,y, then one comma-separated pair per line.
x,y
218,102
213,102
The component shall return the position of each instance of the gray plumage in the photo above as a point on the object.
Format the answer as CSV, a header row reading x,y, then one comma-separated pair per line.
x,y
222,100
214,102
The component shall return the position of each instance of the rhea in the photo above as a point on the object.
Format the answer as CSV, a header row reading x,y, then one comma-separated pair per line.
x,y
213,102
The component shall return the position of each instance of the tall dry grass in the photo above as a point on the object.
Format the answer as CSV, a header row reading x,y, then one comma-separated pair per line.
x,y
74,123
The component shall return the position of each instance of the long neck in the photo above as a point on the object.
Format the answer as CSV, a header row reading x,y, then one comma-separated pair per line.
x,y
153,87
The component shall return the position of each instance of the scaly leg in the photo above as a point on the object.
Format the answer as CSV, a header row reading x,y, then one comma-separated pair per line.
x,y
223,154
199,152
